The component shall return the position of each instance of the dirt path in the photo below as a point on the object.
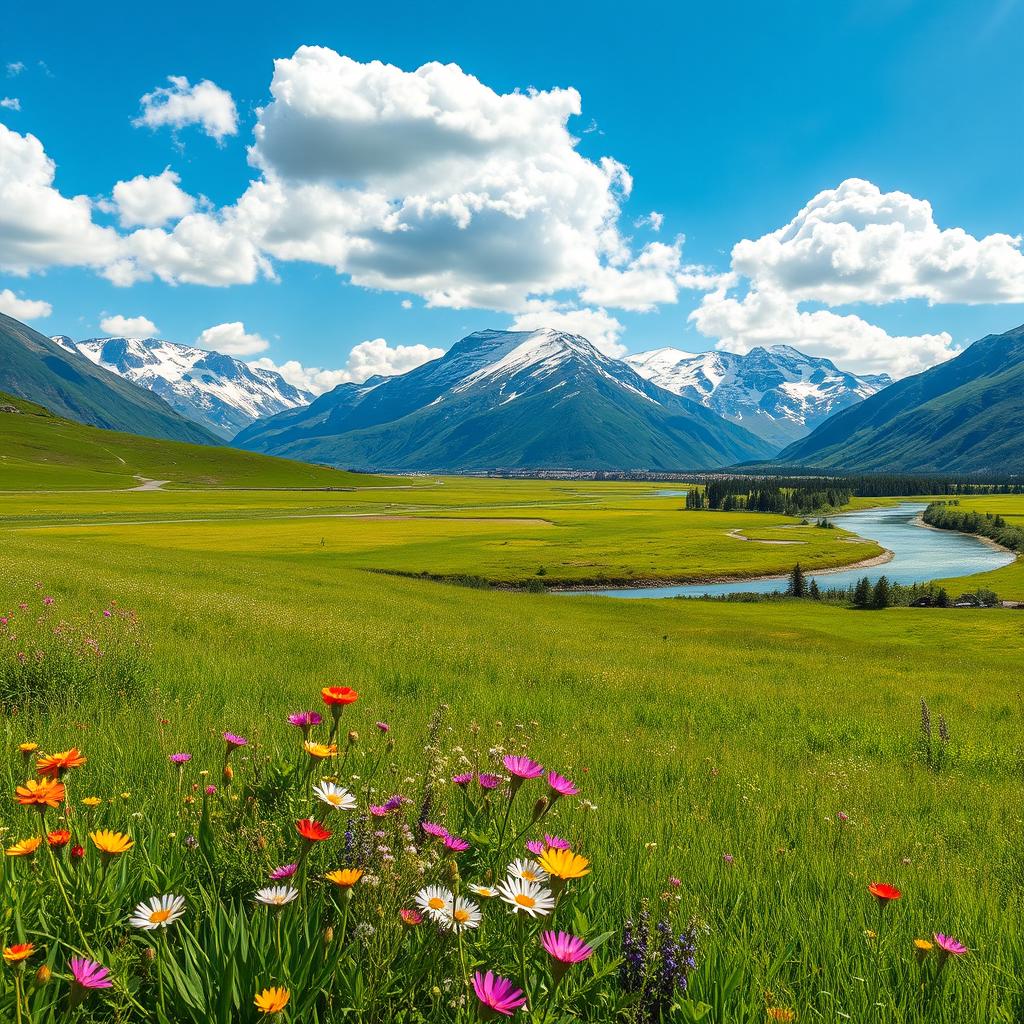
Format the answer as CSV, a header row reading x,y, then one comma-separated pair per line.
x,y
737,534
148,485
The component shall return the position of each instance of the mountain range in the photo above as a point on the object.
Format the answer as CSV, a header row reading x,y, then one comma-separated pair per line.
x,y
218,391
66,383
508,400
778,393
964,415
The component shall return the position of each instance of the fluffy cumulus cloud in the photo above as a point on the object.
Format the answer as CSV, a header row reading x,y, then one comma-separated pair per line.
x,y
181,103
10,103
367,359
128,326
232,339
151,201
596,325
23,309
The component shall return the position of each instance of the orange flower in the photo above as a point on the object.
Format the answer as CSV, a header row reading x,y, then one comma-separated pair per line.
x,y
41,793
58,838
311,829
339,695
344,878
21,951
883,893
55,765
28,748
272,1000
24,847
110,844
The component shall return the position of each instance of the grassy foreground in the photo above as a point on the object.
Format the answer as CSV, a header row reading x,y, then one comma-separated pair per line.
x,y
767,757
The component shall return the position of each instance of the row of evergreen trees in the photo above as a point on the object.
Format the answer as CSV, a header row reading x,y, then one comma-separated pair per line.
x,y
946,516
785,497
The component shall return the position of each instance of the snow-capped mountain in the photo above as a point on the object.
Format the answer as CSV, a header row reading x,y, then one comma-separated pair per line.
x,y
778,393
508,399
222,393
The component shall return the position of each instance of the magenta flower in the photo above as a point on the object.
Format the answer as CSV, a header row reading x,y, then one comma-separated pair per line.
x,y
432,829
523,767
304,720
949,946
566,948
89,974
463,780
497,995
456,844
210,790
107,613
556,843
379,810
180,759
536,847
674,882
843,816
234,741
285,871
47,601
383,727
728,858
488,781
561,786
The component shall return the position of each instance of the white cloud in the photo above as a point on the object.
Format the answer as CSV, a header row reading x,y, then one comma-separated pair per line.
x,y
366,359
23,309
15,68
128,326
406,303
599,327
10,103
151,201
232,339
652,220
180,104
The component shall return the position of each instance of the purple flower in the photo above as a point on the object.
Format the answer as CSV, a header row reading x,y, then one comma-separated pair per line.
x,y
463,780
948,945
566,948
383,726
437,831
234,741
557,843
728,858
536,847
522,767
496,994
179,759
394,803
488,781
210,790
304,720
89,974
561,786
107,613
286,871
456,844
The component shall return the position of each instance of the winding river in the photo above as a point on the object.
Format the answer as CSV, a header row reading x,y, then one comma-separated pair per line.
x,y
919,555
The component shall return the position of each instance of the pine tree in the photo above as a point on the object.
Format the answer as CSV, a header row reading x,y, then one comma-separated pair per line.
x,y
943,601
862,593
881,596
813,592
797,584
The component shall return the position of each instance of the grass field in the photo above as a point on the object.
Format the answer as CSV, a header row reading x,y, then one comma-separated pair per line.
x,y
719,743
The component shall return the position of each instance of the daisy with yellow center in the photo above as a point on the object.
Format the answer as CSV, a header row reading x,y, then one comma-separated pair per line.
x,y
159,912
320,751
527,897
111,844
564,864
435,900
486,891
461,916
24,847
335,796
527,870
40,793
344,878
16,953
272,1000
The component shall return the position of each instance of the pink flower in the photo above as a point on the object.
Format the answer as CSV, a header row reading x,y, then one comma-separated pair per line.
x,y
411,917
555,843
523,767
566,948
437,831
728,858
47,601
949,946
210,790
456,844
379,810
234,741
383,727
674,882
843,816
488,781
561,786
286,871
463,780
107,613
304,719
89,974
497,994
179,759
536,847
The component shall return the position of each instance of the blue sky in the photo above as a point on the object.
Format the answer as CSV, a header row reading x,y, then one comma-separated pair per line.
x,y
727,119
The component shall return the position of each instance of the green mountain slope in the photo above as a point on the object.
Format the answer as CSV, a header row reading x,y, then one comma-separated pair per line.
x,y
41,451
38,369
966,415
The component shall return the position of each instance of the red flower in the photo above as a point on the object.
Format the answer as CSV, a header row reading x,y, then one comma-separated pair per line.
x,y
58,838
77,852
339,695
884,893
311,829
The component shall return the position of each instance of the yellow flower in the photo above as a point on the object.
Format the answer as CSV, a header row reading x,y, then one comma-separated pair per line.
x,y
126,796
92,801
564,864
28,748
923,944
24,847
272,1000
111,843
320,750
22,951
344,878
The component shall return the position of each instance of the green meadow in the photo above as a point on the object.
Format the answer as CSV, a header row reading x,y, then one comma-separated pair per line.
x,y
767,757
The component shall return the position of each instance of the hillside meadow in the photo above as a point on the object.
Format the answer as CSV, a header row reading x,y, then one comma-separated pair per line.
x,y
749,769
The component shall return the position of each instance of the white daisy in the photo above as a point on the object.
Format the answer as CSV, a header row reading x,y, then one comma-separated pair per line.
x,y
159,912
527,870
486,891
527,897
276,895
435,900
335,796
462,915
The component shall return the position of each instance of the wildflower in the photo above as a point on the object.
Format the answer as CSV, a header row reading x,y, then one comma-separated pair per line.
x,y
58,838
23,847
47,601
304,720
91,801
28,749
320,751
496,995
285,871
311,830
18,952
462,780
159,912
353,737
526,897
432,829
344,878
556,843
781,1013
527,871
561,786
728,858
922,947
488,781
883,893
40,793
77,852
675,882
564,864
948,946
335,796
564,950
180,759
55,765
383,727
486,891
89,975
522,768
276,895
411,918
43,975
338,696
456,844
210,790
435,900
111,844
272,1000
843,816
233,742
462,915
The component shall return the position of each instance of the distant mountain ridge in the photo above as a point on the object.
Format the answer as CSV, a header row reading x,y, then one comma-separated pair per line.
x,y
218,391
964,415
502,400
39,370
778,393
